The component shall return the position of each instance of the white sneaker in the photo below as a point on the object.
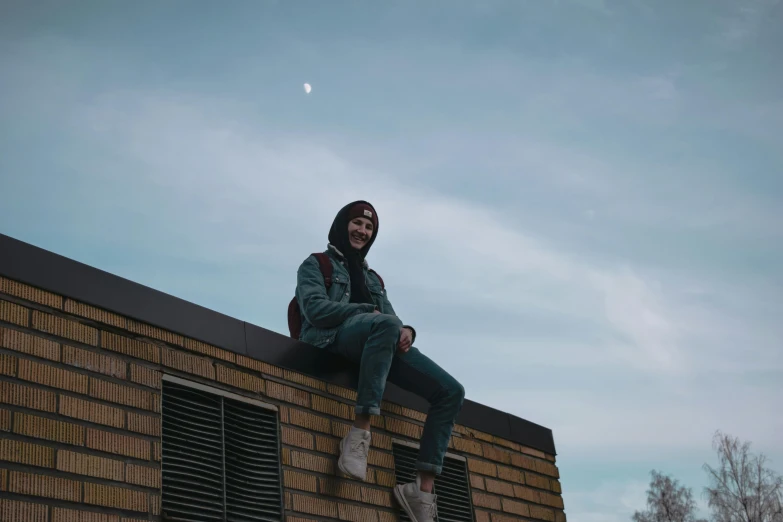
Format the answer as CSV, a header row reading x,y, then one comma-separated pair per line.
x,y
353,453
419,506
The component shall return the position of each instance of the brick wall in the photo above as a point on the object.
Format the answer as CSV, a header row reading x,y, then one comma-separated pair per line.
x,y
80,425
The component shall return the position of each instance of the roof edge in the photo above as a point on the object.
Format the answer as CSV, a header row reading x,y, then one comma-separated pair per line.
x,y
49,271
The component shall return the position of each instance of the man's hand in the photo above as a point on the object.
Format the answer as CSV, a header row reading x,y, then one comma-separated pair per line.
x,y
406,339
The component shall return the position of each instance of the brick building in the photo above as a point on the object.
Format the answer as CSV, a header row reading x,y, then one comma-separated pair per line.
x,y
119,403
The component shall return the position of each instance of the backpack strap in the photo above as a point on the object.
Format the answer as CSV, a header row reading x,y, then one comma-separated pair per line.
x,y
325,264
379,278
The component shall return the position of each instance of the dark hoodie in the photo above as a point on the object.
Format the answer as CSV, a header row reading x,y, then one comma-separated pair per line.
x,y
338,236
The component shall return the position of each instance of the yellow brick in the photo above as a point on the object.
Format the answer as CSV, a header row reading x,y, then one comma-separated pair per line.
x,y
515,507
155,333
29,344
115,497
541,513
510,474
259,366
27,397
386,516
482,516
480,435
313,463
145,424
52,376
314,506
130,347
304,380
96,314
483,468
380,459
8,365
376,421
500,488
535,453
548,499
327,445
334,487
497,517
331,407
29,293
44,486
109,442
496,454
379,440
72,515
156,451
17,511
64,328
90,465
546,468
303,481
341,429
345,393
146,376
523,461
239,379
467,446
486,501
299,438
376,497
287,393
308,420
94,362
385,478
13,313
5,420
91,411
154,505
26,453
531,495
209,350
537,481
506,443
188,363
354,513
125,395
407,429
143,476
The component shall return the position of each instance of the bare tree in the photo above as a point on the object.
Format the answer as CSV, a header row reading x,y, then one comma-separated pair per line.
x,y
743,488
667,501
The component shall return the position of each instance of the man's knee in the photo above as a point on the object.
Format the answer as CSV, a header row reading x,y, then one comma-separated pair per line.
x,y
388,324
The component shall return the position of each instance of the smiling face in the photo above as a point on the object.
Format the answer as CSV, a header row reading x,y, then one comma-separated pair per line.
x,y
360,231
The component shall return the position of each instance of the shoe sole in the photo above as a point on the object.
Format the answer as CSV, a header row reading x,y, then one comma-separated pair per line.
x,y
341,468
398,494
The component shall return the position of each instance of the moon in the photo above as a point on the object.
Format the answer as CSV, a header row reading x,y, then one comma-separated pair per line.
x,y
307,88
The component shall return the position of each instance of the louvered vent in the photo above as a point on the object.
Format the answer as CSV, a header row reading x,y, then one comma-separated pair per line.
x,y
220,458
452,488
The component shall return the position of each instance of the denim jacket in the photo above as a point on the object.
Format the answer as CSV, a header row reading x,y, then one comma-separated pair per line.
x,y
324,311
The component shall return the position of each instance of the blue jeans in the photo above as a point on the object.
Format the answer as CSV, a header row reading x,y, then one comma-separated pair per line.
x,y
371,341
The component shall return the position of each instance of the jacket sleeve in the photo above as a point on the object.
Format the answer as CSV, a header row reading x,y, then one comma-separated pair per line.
x,y
389,309
316,306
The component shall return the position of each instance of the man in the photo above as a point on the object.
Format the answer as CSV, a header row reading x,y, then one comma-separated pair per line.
x,y
355,319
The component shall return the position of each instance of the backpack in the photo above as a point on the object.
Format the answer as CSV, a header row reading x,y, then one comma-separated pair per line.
x,y
295,313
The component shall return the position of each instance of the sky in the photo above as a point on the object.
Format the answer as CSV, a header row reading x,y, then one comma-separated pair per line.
x,y
579,200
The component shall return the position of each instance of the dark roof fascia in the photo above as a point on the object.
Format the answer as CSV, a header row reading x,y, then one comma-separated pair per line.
x,y
46,270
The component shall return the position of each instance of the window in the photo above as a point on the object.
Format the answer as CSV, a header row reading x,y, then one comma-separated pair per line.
x,y
220,456
452,488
